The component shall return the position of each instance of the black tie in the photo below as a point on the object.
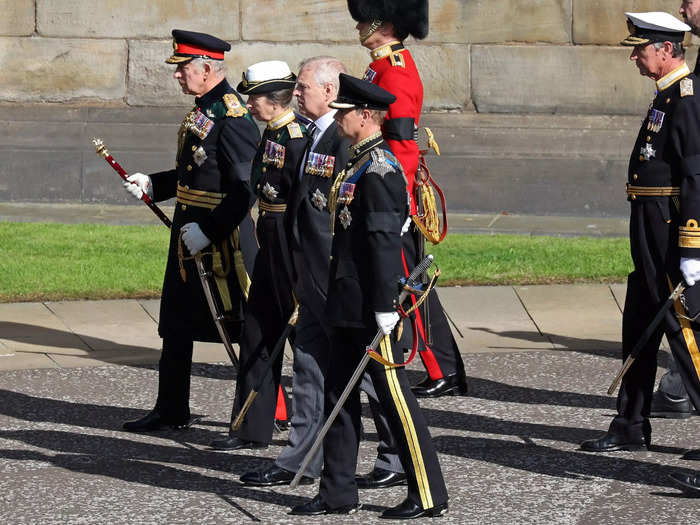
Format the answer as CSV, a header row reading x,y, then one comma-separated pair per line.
x,y
311,129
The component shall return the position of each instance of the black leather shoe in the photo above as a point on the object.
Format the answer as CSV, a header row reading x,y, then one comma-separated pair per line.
x,y
610,442
317,507
664,405
235,443
378,478
451,384
272,476
692,455
689,483
154,421
408,509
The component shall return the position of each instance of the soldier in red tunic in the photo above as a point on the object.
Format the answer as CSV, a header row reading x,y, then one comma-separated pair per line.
x,y
382,27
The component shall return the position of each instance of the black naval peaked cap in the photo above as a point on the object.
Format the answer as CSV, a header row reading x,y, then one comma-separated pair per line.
x,y
656,26
410,17
357,93
190,44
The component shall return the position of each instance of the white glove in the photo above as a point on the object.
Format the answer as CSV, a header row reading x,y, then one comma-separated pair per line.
x,y
194,238
138,185
406,225
690,268
386,321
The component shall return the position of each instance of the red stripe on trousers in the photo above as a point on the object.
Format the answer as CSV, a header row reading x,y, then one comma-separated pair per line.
x,y
427,355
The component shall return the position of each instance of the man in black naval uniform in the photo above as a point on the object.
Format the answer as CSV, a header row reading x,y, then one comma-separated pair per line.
x,y
671,400
663,178
269,86
217,141
368,205
310,242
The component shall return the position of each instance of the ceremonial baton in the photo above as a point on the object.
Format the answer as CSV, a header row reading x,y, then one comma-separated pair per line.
x,y
279,346
104,153
204,275
409,286
646,335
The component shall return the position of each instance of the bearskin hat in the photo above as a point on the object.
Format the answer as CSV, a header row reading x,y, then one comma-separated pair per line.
x,y
410,17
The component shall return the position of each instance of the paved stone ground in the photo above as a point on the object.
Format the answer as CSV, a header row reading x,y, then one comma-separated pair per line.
x,y
539,359
509,450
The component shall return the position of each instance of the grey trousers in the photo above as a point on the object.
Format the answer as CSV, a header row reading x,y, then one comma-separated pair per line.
x,y
387,449
311,351
671,382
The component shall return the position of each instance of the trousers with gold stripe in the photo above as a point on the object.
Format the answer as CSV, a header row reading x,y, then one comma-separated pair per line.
x,y
426,486
656,256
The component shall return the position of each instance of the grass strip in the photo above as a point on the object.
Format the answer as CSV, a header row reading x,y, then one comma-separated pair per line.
x,y
43,262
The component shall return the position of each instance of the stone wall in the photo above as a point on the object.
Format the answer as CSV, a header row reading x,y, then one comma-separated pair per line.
x,y
487,63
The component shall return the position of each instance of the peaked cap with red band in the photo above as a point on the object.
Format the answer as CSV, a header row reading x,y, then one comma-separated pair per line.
x,y
190,44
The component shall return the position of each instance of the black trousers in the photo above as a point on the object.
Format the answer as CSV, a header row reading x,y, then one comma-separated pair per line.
x,y
270,304
634,398
174,371
426,486
654,247
438,348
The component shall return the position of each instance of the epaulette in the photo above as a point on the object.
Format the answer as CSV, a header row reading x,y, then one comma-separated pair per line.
x,y
382,162
234,108
687,87
396,59
294,130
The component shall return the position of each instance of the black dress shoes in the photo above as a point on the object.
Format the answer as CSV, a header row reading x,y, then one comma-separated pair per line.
x,y
451,384
235,443
692,455
664,405
273,476
379,478
408,509
154,421
611,442
689,483
317,507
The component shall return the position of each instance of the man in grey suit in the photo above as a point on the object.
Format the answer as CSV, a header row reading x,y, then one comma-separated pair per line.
x,y
308,229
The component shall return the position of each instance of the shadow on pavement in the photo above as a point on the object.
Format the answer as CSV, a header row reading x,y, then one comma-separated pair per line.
x,y
52,338
530,457
598,347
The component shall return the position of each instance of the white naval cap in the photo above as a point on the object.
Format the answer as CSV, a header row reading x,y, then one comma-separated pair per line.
x,y
655,26
267,76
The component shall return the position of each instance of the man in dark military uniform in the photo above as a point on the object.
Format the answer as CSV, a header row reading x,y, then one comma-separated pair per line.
x,y
269,86
662,188
217,141
368,205
671,400
310,241
382,27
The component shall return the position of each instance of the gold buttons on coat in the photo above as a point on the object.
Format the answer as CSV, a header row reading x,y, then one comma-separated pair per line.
x,y
184,206
648,138
635,176
264,169
189,168
194,148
